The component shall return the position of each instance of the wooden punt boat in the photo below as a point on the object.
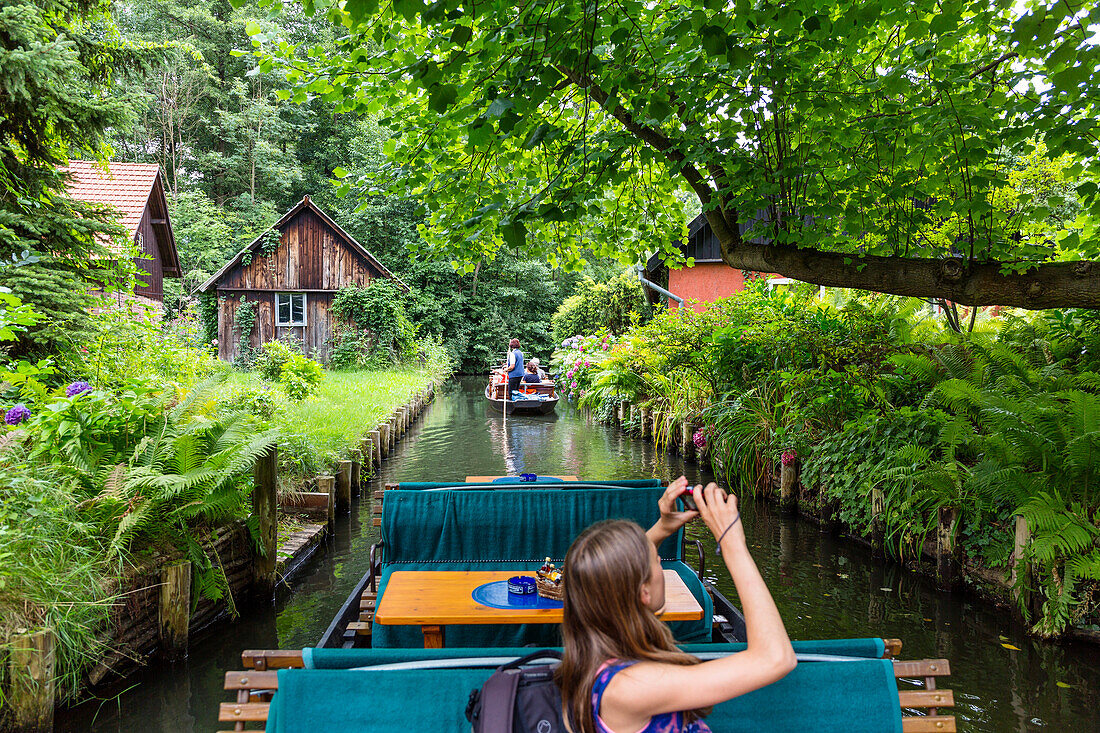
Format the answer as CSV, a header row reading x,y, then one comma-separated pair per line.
x,y
838,685
539,398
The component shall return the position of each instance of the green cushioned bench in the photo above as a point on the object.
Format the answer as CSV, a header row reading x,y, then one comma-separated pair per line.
x,y
856,695
509,528
379,496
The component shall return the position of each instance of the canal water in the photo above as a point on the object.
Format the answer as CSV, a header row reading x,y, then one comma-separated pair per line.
x,y
825,586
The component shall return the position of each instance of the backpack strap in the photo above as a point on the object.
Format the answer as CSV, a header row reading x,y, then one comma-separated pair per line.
x,y
498,701
532,657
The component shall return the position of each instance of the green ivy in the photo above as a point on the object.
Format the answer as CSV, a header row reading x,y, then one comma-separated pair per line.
x,y
244,320
208,314
270,241
374,327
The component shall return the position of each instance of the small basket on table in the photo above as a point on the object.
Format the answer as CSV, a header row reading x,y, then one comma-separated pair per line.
x,y
550,581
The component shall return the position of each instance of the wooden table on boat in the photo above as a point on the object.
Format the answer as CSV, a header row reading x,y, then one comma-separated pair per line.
x,y
431,599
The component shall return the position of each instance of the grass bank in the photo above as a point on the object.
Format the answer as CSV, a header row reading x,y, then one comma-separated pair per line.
x,y
321,430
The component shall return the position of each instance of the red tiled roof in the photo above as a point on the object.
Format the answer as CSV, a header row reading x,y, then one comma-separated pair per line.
x,y
125,186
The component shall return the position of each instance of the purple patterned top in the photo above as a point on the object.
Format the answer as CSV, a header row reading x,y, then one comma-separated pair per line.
x,y
663,723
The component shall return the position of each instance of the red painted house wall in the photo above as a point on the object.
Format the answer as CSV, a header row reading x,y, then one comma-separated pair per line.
x,y
705,283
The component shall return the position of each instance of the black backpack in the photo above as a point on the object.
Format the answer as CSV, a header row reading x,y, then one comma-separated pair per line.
x,y
518,700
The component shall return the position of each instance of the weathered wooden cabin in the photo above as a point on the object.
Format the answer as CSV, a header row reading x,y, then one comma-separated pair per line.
x,y
292,281
136,191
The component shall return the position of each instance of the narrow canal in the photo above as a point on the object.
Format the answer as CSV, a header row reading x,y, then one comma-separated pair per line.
x,y
825,587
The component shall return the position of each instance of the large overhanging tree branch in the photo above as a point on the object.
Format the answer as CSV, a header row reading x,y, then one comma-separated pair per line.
x,y
881,145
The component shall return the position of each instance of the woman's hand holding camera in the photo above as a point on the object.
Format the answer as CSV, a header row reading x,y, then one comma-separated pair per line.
x,y
719,510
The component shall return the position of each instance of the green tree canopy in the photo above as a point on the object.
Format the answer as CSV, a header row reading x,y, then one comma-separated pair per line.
x,y
57,58
826,142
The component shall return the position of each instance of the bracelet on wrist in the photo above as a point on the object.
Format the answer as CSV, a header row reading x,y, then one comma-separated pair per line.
x,y
736,519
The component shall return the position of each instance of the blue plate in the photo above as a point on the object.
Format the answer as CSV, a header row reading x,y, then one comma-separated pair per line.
x,y
496,595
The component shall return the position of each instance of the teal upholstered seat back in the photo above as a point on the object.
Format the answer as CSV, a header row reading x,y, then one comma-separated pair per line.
x,y
854,697
319,658
559,483
506,525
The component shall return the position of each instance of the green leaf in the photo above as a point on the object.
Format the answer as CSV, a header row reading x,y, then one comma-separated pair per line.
x,y
461,35
499,106
359,9
514,233
442,97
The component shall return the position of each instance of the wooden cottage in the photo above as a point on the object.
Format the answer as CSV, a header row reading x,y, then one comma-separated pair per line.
x,y
136,191
292,281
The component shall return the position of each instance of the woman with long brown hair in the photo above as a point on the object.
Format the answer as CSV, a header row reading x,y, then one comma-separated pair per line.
x,y
621,671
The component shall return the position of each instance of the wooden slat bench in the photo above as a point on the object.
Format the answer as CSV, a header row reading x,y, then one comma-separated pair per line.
x,y
254,687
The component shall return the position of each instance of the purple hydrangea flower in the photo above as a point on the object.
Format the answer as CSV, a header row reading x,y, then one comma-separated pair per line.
x,y
788,457
17,414
77,388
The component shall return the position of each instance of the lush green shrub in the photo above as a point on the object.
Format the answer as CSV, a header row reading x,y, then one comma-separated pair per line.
x,y
615,305
872,397
53,567
577,362
273,355
300,377
258,401
847,465
283,363
124,346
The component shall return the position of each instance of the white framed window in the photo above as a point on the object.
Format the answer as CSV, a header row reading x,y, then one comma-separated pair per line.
x,y
290,309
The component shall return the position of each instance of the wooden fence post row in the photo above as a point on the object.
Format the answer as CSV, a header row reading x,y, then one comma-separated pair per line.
x,y
384,438
1020,573
343,487
947,566
327,485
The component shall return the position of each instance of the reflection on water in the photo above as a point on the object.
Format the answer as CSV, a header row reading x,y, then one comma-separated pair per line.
x,y
825,586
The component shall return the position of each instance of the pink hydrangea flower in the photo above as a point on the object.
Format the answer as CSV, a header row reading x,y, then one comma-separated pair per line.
x,y
699,438
788,457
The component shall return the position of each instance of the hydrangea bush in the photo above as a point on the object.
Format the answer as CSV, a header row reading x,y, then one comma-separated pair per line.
x,y
576,362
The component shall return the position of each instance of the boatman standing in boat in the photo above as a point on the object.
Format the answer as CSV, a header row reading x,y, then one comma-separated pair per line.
x,y
514,367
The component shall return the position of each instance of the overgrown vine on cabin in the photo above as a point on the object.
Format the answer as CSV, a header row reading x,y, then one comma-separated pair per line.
x,y
268,243
208,316
244,320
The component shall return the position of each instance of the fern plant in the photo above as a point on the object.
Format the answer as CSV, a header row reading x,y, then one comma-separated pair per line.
x,y
191,472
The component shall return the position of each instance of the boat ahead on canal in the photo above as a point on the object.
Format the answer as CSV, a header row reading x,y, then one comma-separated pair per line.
x,y
396,658
532,398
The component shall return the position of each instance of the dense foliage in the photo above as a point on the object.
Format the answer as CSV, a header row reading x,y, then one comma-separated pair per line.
x,y
869,394
615,305
57,57
372,326
130,446
557,126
